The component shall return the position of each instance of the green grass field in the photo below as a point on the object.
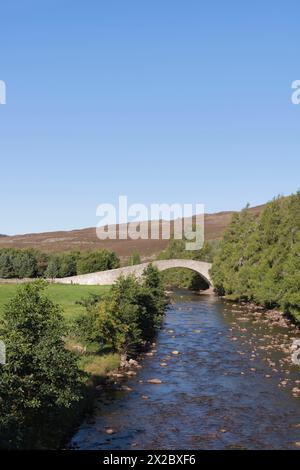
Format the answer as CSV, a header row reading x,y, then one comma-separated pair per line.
x,y
64,295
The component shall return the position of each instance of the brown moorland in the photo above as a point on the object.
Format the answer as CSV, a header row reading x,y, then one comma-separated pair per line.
x,y
86,239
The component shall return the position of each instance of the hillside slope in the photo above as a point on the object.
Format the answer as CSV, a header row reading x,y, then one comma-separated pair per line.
x,y
86,239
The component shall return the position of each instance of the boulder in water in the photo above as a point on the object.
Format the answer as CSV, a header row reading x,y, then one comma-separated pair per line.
x,y
154,381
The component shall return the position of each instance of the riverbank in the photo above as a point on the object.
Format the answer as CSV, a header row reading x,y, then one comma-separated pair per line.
x,y
98,368
277,317
276,343
107,374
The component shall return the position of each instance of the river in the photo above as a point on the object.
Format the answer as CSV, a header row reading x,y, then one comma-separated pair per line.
x,y
232,386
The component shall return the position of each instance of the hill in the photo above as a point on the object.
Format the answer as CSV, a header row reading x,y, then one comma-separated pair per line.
x,y
86,239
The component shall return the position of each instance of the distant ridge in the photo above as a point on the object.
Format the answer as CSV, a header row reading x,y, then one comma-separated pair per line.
x,y
86,239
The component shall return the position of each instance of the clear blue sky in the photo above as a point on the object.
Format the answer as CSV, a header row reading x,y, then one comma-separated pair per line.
x,y
161,100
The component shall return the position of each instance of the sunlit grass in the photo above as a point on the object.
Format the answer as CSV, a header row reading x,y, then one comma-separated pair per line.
x,y
64,295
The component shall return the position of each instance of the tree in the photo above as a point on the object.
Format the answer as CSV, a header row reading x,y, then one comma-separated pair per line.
x,y
94,261
53,268
40,378
259,257
21,263
42,260
6,265
128,316
152,280
68,264
25,263
175,250
231,258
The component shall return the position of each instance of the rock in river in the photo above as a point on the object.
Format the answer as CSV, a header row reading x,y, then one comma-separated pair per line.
x,y
154,381
109,431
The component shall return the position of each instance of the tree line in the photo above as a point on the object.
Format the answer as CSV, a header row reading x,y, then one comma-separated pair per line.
x,y
30,263
259,257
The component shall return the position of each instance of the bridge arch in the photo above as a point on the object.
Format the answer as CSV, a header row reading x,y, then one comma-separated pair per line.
x,y
109,277
198,267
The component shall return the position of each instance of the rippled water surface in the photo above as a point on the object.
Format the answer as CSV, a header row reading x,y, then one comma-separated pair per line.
x,y
231,386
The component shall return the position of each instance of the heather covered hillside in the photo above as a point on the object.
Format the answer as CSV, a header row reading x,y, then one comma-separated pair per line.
x,y
86,239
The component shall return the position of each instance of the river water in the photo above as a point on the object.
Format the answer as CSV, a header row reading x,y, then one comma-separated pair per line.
x,y
232,386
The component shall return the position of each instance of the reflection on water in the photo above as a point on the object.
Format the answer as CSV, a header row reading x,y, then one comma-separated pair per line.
x,y
231,386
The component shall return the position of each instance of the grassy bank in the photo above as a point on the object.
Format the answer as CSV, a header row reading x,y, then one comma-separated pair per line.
x,y
92,360
67,296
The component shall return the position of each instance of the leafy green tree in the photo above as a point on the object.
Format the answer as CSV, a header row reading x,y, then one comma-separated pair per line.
x,y
68,264
42,260
25,263
94,261
231,257
175,250
84,327
290,301
6,265
152,280
40,379
118,317
128,316
207,252
53,268
22,263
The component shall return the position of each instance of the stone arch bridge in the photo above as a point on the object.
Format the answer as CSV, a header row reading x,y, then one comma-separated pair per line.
x,y
103,278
